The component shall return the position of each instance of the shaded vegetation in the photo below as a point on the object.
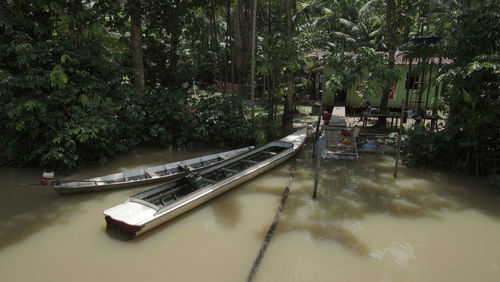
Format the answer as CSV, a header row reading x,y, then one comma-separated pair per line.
x,y
469,142
81,81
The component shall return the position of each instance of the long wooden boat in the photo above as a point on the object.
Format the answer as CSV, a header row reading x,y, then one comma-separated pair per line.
x,y
142,176
146,210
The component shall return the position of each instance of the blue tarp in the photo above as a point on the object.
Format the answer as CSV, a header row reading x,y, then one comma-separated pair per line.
x,y
323,146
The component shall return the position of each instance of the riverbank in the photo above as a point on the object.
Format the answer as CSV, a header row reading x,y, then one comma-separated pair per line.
x,y
365,225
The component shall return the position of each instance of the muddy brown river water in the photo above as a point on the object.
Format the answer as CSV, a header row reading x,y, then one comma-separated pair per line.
x,y
364,226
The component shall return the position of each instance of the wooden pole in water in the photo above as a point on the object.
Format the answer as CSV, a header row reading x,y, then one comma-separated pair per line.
x,y
402,116
320,106
398,151
270,232
318,166
320,144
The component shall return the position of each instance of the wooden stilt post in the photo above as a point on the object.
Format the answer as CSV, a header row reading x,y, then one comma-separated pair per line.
x,y
318,166
402,116
320,106
407,86
398,150
320,143
428,91
436,95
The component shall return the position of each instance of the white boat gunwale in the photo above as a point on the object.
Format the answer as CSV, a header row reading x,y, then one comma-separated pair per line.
x,y
234,177
119,180
155,215
211,188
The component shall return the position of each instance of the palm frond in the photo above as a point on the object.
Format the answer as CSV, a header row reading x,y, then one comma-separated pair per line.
x,y
345,36
366,8
346,23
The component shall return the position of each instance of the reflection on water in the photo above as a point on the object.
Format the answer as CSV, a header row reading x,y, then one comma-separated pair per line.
x,y
364,226
227,213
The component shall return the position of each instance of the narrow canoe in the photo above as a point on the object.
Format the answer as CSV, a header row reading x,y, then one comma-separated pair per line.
x,y
142,176
146,210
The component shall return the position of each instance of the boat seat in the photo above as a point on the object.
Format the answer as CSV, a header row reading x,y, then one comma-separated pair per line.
x,y
186,168
211,181
229,170
195,180
151,173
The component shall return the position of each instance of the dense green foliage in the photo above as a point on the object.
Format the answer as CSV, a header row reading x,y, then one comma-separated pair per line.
x,y
69,96
67,101
62,103
349,66
469,30
200,119
470,141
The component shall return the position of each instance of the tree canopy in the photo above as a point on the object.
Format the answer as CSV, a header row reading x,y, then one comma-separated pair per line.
x,y
82,80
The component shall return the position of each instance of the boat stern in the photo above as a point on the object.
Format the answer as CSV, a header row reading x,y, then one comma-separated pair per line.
x,y
128,219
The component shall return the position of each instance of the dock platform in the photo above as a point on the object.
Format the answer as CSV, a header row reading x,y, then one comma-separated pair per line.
x,y
340,139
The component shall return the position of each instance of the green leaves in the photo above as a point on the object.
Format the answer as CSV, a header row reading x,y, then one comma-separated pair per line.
x,y
469,142
63,103
58,78
467,97
65,58
204,119
84,99
365,64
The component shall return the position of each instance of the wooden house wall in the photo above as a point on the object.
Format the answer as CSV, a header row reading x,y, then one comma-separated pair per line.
x,y
355,100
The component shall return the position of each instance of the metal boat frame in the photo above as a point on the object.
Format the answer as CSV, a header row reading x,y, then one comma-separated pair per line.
x,y
143,176
148,209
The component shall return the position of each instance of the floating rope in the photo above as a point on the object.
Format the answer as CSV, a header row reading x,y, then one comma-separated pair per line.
x,y
270,232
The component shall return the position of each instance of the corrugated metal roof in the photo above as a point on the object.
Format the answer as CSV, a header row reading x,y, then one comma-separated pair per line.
x,y
400,57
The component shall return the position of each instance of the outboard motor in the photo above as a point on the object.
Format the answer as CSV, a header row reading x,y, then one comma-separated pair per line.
x,y
46,175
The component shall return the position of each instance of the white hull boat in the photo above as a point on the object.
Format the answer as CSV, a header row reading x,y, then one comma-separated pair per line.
x,y
165,172
146,210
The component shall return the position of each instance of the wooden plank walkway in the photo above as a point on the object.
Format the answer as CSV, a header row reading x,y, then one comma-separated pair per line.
x,y
340,146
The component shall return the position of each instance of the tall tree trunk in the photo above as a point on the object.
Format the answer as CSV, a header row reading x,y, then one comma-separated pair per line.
x,y
270,91
215,42
254,27
230,43
195,62
237,56
264,86
173,56
174,46
287,121
136,44
77,7
242,19
227,67
391,49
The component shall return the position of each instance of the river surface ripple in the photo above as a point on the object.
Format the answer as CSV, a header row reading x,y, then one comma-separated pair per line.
x,y
364,226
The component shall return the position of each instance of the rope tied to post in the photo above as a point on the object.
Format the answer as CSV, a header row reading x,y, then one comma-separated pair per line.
x,y
272,228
